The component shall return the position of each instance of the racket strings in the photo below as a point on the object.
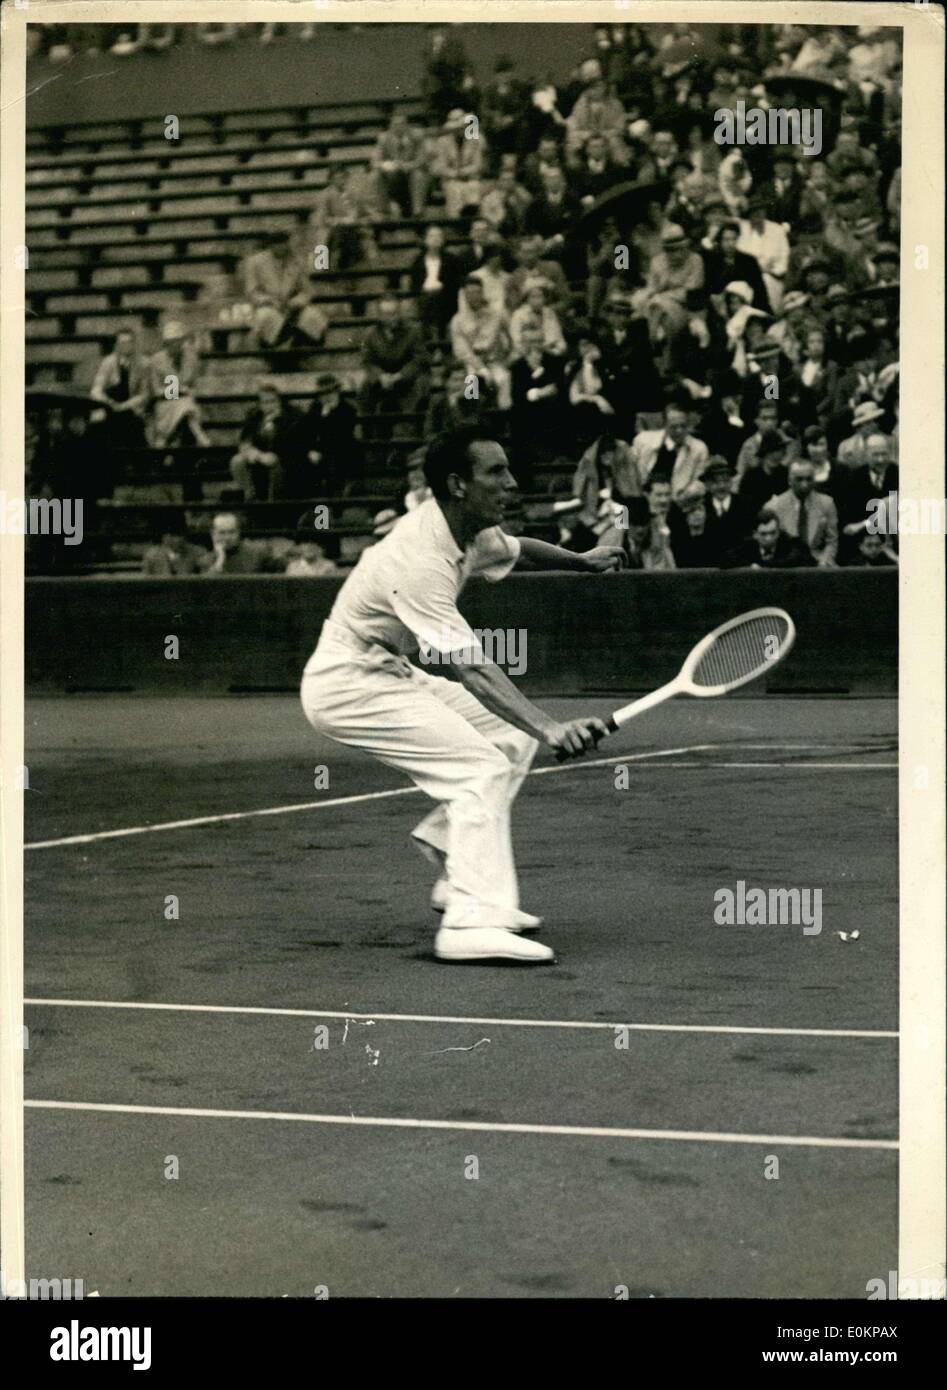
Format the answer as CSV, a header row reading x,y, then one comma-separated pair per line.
x,y
746,649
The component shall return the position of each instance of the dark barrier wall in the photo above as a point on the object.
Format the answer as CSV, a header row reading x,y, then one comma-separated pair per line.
x,y
584,632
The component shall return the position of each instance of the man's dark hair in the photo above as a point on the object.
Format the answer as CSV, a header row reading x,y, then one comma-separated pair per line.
x,y
450,453
764,517
813,433
771,442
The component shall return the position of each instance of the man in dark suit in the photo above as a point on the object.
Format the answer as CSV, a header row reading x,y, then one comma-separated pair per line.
x,y
872,483
477,251
730,516
769,549
630,382
597,172
554,215
770,476
435,278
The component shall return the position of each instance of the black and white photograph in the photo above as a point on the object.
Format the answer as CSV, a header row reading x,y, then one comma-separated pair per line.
x,y
473,638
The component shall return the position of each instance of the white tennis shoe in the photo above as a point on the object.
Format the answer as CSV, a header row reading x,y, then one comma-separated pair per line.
x,y
519,921
489,943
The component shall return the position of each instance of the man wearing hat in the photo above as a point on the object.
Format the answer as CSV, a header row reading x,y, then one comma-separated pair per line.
x,y
675,271
767,241
760,484
328,436
276,282
729,516
175,365
459,162
853,451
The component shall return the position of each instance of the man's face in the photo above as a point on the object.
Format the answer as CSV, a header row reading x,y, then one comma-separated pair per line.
x,y
225,532
618,317
490,486
507,180
757,218
527,252
728,241
474,294
479,230
388,312
818,450
676,426
663,144
596,148
659,499
696,518
123,346
555,183
718,484
802,479
766,418
783,168
548,151
871,545
877,454
433,239
767,534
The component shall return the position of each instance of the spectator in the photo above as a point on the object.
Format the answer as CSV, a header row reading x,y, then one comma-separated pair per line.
x,y
392,355
769,549
455,405
828,478
308,558
530,266
264,452
536,390
482,240
172,377
671,453
782,193
341,219
853,451
596,113
553,214
502,109
590,407
667,526
766,420
872,482
174,554
596,172
534,315
873,552
767,242
434,277
276,281
724,265
504,204
605,476
495,278
729,516
540,164
481,342
768,476
813,386
806,515
230,553
121,383
328,442
399,162
675,272
630,381
459,161
692,546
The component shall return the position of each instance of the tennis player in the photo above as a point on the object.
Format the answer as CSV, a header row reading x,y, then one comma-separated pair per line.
x,y
468,743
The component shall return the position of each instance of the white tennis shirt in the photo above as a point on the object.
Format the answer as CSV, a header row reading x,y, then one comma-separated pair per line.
x,y
403,591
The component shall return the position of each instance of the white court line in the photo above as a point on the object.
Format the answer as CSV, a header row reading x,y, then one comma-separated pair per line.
x,y
570,766
579,1131
449,1018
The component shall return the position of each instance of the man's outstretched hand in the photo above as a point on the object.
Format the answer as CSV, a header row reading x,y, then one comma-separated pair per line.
x,y
604,558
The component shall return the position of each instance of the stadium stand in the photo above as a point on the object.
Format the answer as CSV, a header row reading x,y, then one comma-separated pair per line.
x,y
129,231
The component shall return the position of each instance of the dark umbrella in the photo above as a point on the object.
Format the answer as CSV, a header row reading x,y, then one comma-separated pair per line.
x,y
43,398
626,202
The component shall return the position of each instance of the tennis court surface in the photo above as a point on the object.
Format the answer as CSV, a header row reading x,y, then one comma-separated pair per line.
x,y
348,1114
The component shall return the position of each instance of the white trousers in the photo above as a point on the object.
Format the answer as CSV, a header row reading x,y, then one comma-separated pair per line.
x,y
468,760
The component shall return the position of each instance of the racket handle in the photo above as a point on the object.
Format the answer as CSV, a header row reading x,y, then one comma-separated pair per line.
x,y
563,757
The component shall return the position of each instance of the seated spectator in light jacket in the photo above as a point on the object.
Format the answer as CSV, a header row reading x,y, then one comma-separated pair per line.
x,y
597,112
459,163
672,452
806,515
535,315
172,377
504,204
121,382
276,281
480,341
399,163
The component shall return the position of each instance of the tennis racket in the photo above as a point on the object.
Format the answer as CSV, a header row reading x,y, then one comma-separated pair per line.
x,y
737,652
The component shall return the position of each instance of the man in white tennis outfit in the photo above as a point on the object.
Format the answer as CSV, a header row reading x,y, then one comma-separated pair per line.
x,y
468,743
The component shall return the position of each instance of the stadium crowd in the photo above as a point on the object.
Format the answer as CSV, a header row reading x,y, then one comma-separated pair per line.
x,y
707,333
